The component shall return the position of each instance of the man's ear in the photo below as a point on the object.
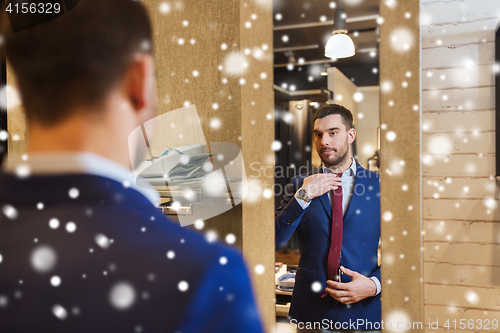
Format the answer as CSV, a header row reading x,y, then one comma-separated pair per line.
x,y
352,135
139,86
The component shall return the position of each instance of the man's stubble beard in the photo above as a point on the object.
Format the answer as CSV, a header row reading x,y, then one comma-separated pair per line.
x,y
338,161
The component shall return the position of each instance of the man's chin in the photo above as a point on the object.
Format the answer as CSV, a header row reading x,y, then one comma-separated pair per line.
x,y
327,160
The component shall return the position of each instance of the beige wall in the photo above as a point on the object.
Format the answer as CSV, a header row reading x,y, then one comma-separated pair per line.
x,y
460,213
367,123
16,122
343,90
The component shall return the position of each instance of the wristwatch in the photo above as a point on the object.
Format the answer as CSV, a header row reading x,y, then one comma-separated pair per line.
x,y
302,194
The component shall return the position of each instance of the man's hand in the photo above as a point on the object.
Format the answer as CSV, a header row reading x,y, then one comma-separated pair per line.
x,y
318,184
358,289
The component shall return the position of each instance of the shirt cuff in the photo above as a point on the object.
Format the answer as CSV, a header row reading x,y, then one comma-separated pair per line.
x,y
377,283
304,204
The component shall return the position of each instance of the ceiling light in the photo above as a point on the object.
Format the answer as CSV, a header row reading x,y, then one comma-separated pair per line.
x,y
340,45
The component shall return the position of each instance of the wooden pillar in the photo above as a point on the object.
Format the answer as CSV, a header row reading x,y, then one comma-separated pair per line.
x,y
401,174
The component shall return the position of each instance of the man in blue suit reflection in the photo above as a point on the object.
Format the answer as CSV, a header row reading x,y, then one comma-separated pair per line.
x,y
335,211
82,247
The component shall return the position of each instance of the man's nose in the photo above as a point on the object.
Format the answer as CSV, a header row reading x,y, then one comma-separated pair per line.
x,y
324,141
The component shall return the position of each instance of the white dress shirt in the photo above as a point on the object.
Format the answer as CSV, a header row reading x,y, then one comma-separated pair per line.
x,y
348,179
76,163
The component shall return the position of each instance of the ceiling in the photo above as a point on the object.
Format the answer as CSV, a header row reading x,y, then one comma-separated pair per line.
x,y
304,27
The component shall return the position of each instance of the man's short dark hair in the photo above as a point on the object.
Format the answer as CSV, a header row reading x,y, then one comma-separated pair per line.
x,y
78,58
330,109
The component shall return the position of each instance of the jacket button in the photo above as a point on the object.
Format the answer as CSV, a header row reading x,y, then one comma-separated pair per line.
x,y
288,222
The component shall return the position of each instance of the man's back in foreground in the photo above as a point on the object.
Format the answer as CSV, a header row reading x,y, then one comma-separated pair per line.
x,y
108,261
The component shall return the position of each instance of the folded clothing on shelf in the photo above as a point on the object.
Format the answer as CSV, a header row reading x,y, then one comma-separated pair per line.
x,y
286,281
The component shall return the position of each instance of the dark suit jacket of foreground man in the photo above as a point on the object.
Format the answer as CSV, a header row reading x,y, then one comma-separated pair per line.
x,y
361,232
126,284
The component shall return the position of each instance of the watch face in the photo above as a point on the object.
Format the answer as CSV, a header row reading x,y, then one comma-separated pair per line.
x,y
302,193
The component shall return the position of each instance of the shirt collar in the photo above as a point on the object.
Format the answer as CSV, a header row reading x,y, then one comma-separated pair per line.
x,y
80,162
351,172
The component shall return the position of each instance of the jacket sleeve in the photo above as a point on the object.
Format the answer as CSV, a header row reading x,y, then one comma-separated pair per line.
x,y
376,273
287,217
224,300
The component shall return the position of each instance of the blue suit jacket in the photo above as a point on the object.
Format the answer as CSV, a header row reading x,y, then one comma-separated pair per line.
x,y
313,225
218,296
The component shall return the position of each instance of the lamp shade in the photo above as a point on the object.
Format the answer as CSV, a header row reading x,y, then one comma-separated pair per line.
x,y
339,46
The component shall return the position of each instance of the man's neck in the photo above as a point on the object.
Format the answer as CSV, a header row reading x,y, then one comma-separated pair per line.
x,y
106,136
341,167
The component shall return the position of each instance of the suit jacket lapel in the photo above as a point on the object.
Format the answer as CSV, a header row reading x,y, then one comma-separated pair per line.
x,y
361,178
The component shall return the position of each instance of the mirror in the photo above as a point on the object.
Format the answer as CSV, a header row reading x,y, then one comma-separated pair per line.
x,y
304,81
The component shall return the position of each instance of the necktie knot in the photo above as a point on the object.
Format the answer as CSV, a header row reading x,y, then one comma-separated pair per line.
x,y
338,191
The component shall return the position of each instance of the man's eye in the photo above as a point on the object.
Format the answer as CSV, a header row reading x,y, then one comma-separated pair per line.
x,y
332,133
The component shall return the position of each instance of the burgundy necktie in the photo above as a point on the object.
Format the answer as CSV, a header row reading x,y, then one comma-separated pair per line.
x,y
337,229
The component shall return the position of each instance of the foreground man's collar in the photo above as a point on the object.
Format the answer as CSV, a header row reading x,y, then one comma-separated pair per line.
x,y
65,163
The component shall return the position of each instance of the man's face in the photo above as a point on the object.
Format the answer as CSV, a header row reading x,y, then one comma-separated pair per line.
x,y
332,139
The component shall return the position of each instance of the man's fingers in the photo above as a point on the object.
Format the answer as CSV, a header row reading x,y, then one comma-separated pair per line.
x,y
341,298
333,180
337,293
328,177
338,184
319,184
347,271
336,285
345,300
